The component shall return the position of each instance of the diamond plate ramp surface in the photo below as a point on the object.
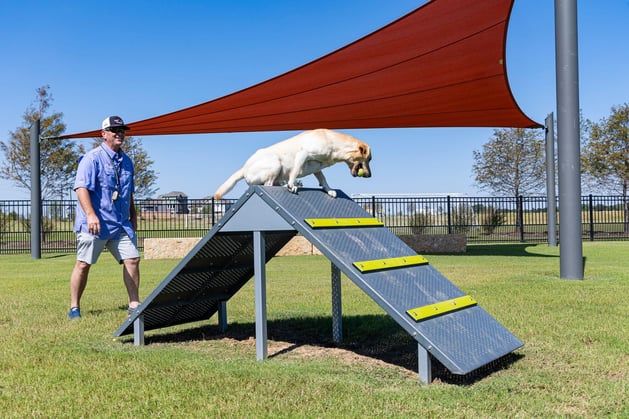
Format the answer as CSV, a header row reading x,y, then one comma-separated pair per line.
x,y
222,263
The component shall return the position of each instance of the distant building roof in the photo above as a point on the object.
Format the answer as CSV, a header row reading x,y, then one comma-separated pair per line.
x,y
173,194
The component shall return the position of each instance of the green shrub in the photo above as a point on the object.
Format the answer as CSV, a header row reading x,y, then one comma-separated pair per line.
x,y
419,222
462,218
491,219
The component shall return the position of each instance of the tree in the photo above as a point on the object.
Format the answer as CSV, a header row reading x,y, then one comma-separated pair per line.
x,y
145,177
512,163
605,154
59,158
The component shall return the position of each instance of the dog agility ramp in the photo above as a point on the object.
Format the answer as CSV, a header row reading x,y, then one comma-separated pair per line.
x,y
446,323
212,272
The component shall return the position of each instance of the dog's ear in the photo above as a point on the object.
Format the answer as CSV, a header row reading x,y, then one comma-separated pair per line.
x,y
364,150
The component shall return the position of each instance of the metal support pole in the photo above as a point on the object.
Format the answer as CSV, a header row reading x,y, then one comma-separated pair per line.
x,y
35,191
222,316
337,311
568,144
424,365
260,295
551,197
138,331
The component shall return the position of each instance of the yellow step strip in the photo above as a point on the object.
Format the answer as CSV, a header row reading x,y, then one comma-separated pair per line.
x,y
425,312
378,264
343,222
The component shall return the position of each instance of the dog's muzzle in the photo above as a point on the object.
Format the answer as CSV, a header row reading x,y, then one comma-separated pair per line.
x,y
365,169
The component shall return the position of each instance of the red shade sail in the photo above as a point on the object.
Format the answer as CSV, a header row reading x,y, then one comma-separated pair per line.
x,y
442,65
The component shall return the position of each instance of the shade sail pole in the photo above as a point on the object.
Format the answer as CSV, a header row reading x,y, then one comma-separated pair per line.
x,y
551,207
568,146
36,206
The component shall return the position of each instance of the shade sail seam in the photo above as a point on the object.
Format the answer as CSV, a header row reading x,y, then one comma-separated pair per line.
x,y
333,123
387,117
182,122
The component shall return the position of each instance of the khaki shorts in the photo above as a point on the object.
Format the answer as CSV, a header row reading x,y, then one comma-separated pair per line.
x,y
89,248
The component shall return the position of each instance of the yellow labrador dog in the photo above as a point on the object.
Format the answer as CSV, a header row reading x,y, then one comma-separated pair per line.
x,y
306,153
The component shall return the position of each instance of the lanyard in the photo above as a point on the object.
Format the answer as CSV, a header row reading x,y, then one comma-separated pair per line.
x,y
117,172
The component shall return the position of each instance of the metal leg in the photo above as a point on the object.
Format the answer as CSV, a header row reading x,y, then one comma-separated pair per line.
x,y
424,365
138,331
222,316
337,309
260,295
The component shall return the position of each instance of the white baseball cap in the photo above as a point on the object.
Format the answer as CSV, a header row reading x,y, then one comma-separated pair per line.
x,y
114,122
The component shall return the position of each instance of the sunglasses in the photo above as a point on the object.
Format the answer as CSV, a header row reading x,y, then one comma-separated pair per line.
x,y
116,130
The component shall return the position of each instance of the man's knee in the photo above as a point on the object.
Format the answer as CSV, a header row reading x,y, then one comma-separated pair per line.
x,y
82,266
132,262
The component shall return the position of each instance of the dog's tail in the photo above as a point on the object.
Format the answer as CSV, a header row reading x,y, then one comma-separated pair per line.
x,y
229,184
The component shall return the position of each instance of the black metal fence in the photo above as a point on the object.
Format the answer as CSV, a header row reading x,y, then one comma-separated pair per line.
x,y
481,219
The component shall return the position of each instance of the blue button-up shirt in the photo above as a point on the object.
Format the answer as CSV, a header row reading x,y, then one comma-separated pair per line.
x,y
102,171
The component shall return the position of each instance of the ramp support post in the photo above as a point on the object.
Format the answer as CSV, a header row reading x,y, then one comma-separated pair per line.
x,y
337,311
138,331
260,295
222,316
424,365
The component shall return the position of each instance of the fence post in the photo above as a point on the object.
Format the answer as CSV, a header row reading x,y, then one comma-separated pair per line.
x,y
520,216
591,211
625,217
373,205
212,212
449,215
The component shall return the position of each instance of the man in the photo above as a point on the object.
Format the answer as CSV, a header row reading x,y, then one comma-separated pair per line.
x,y
105,215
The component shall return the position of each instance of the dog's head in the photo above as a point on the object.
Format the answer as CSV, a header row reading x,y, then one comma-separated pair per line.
x,y
360,160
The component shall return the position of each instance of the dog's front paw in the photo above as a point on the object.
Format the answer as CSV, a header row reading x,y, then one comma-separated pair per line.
x,y
291,188
332,193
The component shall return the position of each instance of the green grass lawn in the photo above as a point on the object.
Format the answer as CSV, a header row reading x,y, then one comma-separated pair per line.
x,y
575,362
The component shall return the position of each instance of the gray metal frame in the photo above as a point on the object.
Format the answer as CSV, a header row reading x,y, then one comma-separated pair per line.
x,y
266,218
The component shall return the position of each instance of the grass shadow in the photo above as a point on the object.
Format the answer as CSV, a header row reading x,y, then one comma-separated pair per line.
x,y
56,256
374,336
510,249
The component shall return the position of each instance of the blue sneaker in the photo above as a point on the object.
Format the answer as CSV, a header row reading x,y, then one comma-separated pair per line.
x,y
74,313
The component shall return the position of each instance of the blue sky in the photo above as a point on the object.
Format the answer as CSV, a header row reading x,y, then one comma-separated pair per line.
x,y
139,59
